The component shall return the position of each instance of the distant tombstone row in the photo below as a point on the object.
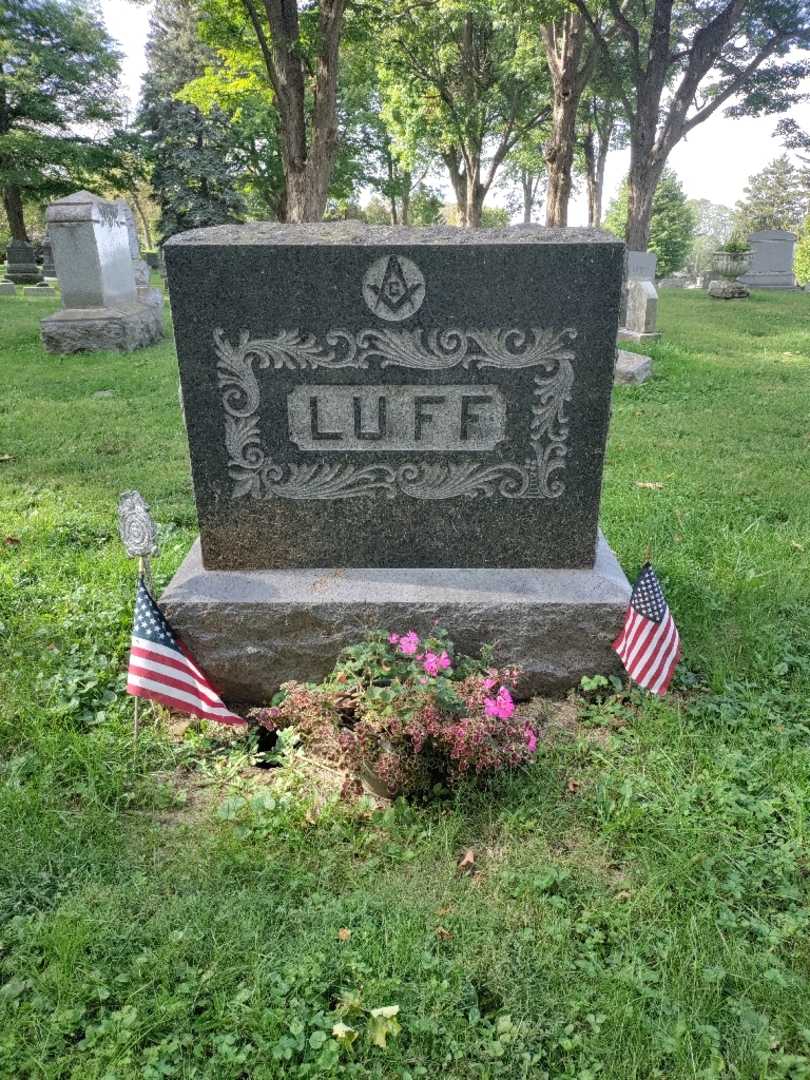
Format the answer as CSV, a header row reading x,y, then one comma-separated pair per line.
x,y
106,299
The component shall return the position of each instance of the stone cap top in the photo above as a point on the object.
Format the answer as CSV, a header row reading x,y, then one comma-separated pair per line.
x,y
772,234
82,206
357,234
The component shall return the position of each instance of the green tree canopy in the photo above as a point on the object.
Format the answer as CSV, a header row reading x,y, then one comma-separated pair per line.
x,y
672,224
58,99
194,168
776,198
801,263
467,78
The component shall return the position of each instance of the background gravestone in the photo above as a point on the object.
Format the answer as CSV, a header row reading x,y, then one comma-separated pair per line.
x,y
639,298
395,401
101,308
21,266
48,267
139,267
771,260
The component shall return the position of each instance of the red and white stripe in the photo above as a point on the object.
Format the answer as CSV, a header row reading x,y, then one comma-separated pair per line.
x,y
650,651
162,674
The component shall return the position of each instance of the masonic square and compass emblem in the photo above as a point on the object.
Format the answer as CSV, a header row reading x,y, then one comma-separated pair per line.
x,y
394,288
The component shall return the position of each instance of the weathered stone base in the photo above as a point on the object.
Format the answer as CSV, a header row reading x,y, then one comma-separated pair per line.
x,y
23,274
632,368
39,292
253,630
723,289
124,328
8,288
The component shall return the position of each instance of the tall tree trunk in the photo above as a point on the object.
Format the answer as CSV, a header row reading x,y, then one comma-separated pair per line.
x,y
595,147
476,193
528,196
405,201
147,232
570,55
308,137
12,202
642,183
458,178
595,206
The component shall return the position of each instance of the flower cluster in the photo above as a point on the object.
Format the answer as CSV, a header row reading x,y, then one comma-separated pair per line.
x,y
406,714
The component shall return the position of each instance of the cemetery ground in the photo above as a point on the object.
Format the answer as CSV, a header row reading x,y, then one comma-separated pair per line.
x,y
636,903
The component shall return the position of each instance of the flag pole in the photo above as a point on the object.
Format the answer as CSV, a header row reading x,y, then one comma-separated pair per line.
x,y
135,721
138,534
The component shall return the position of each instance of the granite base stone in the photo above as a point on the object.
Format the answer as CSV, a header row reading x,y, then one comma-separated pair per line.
x,y
123,328
632,368
8,288
39,292
253,630
723,289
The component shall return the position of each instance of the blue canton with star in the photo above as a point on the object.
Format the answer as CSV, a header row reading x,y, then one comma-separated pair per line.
x,y
149,623
648,599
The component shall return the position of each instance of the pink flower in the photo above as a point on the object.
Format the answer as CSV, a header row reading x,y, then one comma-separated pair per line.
x,y
409,643
489,683
393,639
500,706
531,739
434,663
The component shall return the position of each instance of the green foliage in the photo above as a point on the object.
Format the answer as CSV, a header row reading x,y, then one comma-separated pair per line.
x,y
735,244
672,225
467,80
195,170
801,264
639,902
776,198
713,227
58,81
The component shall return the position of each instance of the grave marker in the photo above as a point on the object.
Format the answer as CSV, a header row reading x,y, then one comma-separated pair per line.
x,y
425,400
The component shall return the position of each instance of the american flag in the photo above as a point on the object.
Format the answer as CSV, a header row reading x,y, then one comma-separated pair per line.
x,y
649,645
160,669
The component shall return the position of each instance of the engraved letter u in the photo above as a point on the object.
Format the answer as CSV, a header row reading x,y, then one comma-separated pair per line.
x,y
358,420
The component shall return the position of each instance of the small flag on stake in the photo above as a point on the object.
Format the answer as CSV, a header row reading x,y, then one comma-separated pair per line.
x,y
161,670
649,645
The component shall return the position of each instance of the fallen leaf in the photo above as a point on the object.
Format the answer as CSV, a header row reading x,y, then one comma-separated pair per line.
x,y
12,541
798,547
344,934
467,862
573,786
344,1033
623,895
443,934
654,486
7,457
442,911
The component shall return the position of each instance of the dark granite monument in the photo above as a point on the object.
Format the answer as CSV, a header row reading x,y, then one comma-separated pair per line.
x,y
421,415
21,266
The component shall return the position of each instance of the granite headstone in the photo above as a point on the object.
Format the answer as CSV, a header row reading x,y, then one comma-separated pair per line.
x,y
424,403
771,260
101,306
639,298
21,265
48,267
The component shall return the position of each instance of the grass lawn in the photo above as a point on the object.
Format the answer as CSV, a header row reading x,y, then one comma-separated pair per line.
x,y
641,903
